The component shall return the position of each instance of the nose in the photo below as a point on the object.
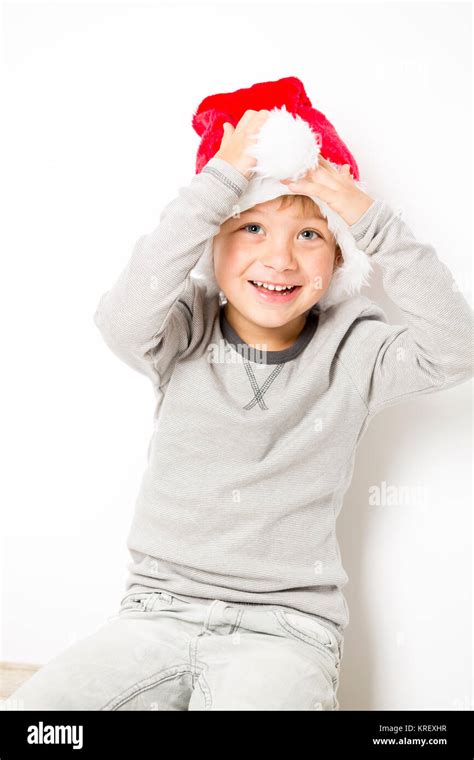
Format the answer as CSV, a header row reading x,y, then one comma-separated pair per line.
x,y
279,256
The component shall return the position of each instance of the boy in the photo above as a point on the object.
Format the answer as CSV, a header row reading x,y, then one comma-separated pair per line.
x,y
234,599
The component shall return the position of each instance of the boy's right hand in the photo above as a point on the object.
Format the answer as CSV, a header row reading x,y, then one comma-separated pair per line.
x,y
236,140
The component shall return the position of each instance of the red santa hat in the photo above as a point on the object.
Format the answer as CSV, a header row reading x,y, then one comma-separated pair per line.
x,y
287,145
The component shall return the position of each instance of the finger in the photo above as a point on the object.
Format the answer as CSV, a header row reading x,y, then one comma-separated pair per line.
x,y
319,189
228,130
325,176
345,170
334,171
315,175
329,165
255,124
252,131
245,118
325,163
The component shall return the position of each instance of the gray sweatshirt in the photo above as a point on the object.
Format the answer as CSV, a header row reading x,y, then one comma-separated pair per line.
x,y
252,452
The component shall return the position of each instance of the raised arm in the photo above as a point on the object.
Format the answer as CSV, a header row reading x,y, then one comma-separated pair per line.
x,y
155,309
433,349
146,318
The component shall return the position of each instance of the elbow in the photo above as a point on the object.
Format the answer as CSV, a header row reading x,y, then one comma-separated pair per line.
x,y
461,359
458,367
103,321
462,370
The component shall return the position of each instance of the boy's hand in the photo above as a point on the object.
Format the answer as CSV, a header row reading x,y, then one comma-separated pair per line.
x,y
236,140
335,187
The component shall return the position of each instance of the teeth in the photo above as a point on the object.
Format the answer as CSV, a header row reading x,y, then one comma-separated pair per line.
x,y
272,287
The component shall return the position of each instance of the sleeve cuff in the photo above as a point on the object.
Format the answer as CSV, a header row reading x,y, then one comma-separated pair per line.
x,y
371,222
227,174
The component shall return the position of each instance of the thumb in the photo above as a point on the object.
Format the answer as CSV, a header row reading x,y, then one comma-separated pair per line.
x,y
228,128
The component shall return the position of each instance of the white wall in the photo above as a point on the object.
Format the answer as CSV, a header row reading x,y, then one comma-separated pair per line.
x,y
99,101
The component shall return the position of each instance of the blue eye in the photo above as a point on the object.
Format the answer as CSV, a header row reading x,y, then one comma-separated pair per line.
x,y
314,233
254,225
251,225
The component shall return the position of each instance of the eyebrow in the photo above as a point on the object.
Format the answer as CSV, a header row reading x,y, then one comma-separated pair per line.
x,y
264,213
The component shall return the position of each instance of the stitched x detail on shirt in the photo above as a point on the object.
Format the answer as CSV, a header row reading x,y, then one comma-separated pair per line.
x,y
259,392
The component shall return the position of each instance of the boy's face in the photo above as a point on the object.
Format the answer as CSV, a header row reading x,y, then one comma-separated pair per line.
x,y
290,245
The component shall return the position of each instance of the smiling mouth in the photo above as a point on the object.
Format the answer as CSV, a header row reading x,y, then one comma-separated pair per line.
x,y
274,289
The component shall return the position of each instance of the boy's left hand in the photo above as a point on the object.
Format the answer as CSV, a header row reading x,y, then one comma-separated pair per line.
x,y
336,188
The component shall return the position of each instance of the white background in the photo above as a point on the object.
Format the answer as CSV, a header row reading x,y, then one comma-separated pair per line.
x,y
99,100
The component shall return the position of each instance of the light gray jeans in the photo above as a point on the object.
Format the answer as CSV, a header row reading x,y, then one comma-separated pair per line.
x,y
162,653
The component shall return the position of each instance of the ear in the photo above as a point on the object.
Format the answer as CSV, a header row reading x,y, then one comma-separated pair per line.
x,y
338,258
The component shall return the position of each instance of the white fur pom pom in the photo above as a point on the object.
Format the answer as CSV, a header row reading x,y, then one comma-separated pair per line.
x,y
285,147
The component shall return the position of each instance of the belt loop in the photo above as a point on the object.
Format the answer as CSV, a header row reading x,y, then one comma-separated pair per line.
x,y
341,649
213,604
167,597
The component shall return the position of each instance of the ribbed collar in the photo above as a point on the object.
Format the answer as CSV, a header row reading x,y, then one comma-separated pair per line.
x,y
270,357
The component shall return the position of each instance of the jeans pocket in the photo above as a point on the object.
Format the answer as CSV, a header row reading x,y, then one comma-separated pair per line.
x,y
311,631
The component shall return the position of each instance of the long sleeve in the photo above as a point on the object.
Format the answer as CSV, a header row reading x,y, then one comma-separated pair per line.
x,y
148,316
433,349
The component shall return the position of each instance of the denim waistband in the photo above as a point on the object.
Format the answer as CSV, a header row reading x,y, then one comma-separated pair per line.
x,y
338,632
